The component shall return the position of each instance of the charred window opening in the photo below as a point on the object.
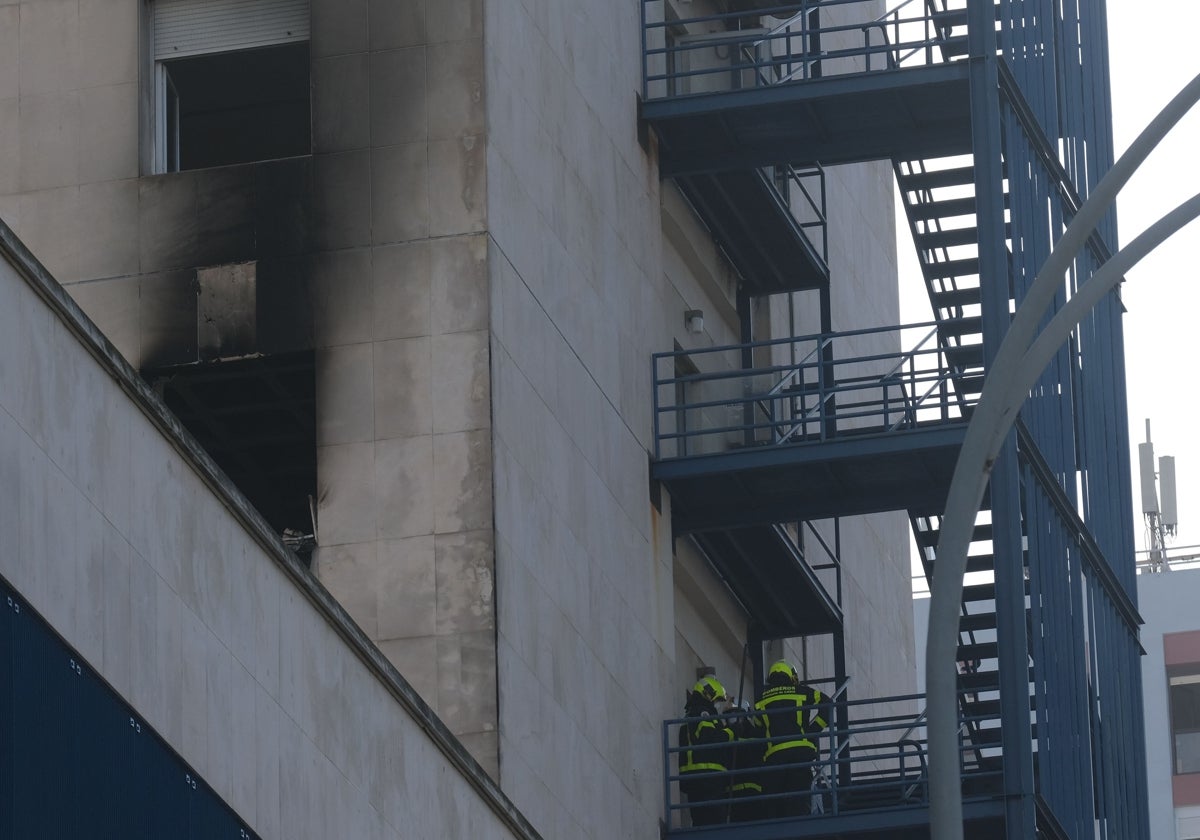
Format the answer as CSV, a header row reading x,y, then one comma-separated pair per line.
x,y
256,418
236,107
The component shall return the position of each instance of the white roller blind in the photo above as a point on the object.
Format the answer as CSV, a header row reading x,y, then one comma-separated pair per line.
x,y
195,27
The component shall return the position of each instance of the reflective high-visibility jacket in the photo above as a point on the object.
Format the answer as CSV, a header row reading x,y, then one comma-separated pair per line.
x,y
792,715
715,739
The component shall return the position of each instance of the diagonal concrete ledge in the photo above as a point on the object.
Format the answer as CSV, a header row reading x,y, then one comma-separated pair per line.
x,y
13,251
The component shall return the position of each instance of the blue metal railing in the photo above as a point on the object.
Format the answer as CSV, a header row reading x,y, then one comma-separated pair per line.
x,y
792,42
878,762
801,191
844,383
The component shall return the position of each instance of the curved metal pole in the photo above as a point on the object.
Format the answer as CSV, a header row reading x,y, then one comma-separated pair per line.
x,y
993,417
1089,294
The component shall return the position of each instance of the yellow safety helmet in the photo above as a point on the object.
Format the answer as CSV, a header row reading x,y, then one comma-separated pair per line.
x,y
785,668
711,688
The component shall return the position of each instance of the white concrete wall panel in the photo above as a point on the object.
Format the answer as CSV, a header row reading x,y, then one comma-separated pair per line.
x,y
114,534
585,287
388,257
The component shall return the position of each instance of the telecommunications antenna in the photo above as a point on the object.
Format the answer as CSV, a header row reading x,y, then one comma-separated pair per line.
x,y
1158,508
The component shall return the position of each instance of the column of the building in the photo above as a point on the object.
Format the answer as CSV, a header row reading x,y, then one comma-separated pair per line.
x,y
401,330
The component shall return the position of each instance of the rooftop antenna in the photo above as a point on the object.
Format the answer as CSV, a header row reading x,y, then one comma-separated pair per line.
x,y
1162,519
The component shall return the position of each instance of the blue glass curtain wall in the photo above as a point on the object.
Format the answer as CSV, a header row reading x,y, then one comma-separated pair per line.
x,y
77,761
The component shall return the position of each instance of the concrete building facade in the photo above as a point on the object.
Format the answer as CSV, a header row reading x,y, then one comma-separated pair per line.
x,y
466,273
123,536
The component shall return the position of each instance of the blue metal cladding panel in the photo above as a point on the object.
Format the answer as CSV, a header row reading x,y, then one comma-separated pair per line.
x,y
1026,42
76,761
43,770
1059,654
8,607
1058,53
1101,413
1076,415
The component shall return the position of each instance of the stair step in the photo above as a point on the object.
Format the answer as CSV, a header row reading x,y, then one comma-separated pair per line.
x,y
982,531
924,211
961,296
952,268
939,178
980,592
983,592
980,563
955,46
990,708
982,737
977,650
948,238
959,327
979,681
988,680
949,18
971,384
967,356
975,622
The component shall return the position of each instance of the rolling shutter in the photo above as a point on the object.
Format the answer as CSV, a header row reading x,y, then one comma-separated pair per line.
x,y
196,27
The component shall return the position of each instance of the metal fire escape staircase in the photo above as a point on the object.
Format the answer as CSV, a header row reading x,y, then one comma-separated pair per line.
x,y
837,429
939,202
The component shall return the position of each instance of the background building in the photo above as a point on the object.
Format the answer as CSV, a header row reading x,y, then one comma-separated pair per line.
x,y
401,269
1171,637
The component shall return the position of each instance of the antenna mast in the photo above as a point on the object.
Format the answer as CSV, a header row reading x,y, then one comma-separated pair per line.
x,y
1162,520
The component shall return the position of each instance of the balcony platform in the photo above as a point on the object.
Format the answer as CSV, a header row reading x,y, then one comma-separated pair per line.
x,y
982,820
767,572
748,216
907,469
908,113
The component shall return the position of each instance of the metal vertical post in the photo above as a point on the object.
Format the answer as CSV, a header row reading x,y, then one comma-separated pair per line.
x,y
746,330
1007,552
827,409
842,711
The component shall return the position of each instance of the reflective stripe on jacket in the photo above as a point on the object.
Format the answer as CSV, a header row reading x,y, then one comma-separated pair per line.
x,y
786,730
708,733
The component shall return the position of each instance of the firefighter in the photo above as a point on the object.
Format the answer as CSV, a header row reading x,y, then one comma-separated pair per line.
x,y
744,781
705,749
791,718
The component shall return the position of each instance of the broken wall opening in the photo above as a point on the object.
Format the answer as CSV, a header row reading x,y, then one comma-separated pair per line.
x,y
255,416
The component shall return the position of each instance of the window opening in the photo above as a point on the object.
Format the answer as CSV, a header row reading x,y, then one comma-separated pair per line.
x,y
235,107
172,126
231,82
1184,693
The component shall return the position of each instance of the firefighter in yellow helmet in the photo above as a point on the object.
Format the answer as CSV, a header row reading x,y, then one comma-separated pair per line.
x,y
705,746
791,717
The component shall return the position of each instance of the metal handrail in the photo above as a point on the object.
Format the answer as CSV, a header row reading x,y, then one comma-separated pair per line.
x,y
815,206
916,724
804,10
846,392
873,758
771,342
898,51
844,743
796,370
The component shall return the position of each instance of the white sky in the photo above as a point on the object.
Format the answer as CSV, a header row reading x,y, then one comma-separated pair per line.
x,y
1153,56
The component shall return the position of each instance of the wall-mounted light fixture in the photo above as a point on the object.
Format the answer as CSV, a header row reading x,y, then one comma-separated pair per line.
x,y
693,319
